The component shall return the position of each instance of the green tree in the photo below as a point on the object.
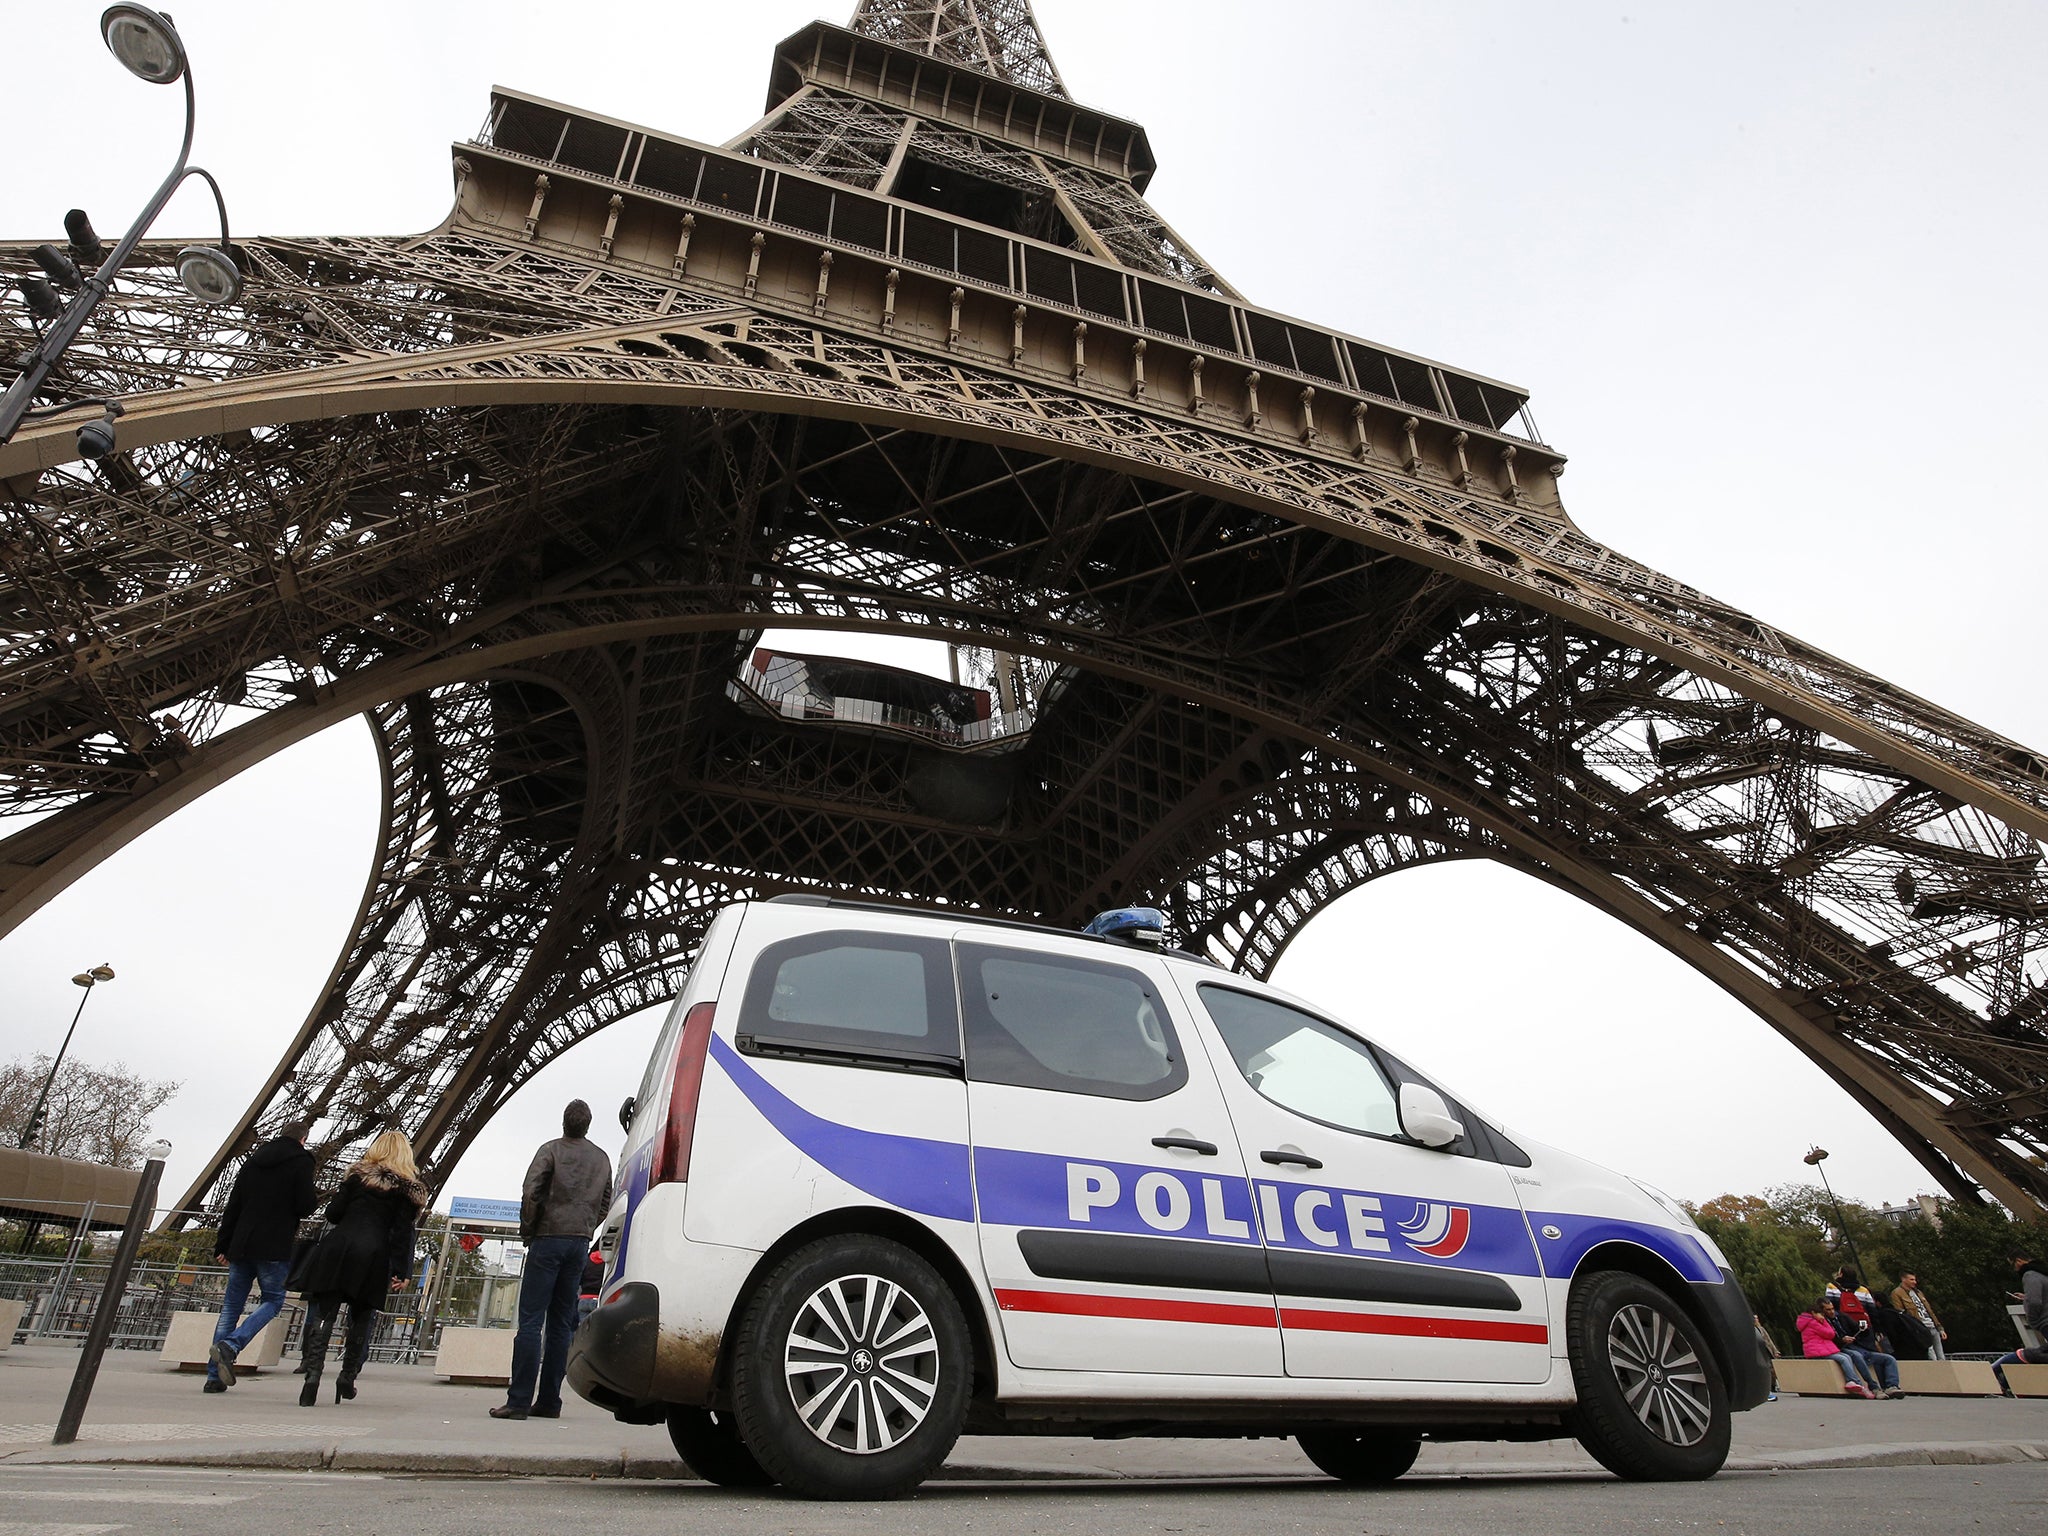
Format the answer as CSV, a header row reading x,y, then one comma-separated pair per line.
x,y
1771,1261
1963,1265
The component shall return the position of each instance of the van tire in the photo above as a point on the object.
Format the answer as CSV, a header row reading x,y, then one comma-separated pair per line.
x,y
913,1391
1652,1403
710,1446
1365,1460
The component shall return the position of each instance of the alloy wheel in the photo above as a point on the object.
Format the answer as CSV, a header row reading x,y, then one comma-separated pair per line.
x,y
862,1362
1661,1377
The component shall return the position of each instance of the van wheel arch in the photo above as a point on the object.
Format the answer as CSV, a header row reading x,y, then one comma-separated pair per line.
x,y
1646,1265
870,1221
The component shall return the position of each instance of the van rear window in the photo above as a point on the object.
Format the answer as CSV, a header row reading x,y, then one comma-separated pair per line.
x,y
862,994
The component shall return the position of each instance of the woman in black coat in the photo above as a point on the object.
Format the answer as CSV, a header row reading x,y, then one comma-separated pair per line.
x,y
367,1253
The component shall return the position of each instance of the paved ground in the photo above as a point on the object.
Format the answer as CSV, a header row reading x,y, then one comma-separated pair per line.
x,y
181,1501
406,1420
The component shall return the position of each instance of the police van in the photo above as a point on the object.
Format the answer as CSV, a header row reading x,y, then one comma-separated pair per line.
x,y
893,1175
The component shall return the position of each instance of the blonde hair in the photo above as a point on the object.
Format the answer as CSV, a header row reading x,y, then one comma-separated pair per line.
x,y
392,1151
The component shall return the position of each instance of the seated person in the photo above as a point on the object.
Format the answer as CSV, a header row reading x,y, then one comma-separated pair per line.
x,y
1817,1339
1879,1369
2033,1299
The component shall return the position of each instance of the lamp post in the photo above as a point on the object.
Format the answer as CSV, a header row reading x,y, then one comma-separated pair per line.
x,y
88,980
148,46
1813,1159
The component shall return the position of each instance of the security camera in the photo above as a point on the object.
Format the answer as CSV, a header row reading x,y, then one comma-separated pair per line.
x,y
96,438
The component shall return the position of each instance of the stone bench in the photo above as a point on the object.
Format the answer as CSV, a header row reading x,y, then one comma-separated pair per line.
x,y
1810,1378
10,1319
480,1357
2027,1380
188,1343
1948,1378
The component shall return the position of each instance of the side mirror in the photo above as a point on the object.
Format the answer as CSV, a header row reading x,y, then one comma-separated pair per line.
x,y
626,1113
1426,1118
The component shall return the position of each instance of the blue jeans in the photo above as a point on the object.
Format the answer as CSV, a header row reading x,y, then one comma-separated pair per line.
x,y
1884,1368
2021,1356
268,1278
547,1317
1852,1371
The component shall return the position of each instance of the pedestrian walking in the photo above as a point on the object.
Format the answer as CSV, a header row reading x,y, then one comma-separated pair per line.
x,y
567,1192
272,1194
364,1256
2033,1299
1910,1299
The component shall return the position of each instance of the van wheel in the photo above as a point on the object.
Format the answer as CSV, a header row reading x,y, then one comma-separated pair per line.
x,y
852,1370
710,1446
1367,1460
1652,1406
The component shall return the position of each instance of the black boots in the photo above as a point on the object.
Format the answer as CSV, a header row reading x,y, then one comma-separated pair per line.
x,y
313,1347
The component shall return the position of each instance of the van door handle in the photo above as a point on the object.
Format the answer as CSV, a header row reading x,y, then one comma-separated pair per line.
x,y
1291,1157
1186,1144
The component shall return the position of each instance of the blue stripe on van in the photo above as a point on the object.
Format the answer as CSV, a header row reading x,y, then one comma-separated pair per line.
x,y
1580,1235
1036,1189
909,1172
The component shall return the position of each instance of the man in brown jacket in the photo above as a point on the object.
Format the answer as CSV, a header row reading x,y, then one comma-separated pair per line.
x,y
568,1190
1911,1300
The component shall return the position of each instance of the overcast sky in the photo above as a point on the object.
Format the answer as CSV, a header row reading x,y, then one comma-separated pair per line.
x,y
1771,271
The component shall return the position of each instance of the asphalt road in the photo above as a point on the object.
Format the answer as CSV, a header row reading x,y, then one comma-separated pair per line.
x,y
101,1501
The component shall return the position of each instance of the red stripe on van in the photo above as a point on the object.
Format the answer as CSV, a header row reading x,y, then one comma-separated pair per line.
x,y
1147,1309
1160,1311
1413,1327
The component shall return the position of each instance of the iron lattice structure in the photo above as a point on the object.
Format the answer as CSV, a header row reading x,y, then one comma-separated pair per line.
x,y
1276,611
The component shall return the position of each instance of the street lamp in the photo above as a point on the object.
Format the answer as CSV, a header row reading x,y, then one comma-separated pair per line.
x,y
1814,1158
88,980
149,47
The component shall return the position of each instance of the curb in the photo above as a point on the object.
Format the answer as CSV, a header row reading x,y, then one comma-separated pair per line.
x,y
338,1458
1964,1454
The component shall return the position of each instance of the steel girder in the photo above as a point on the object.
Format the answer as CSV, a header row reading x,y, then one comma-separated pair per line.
x,y
998,37
525,502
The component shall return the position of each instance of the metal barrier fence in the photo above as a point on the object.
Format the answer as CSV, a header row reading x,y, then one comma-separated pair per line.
x,y
58,1297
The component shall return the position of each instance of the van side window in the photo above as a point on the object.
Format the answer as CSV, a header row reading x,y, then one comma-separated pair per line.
x,y
1074,1026
1303,1064
862,995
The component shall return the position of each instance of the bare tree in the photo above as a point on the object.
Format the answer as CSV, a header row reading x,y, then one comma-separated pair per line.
x,y
97,1113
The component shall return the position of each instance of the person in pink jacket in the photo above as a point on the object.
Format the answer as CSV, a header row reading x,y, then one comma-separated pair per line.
x,y
1817,1338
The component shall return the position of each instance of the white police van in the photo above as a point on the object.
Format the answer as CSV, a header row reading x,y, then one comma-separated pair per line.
x,y
897,1174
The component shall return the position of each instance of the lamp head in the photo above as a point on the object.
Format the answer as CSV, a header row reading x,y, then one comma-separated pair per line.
x,y
101,973
86,246
209,274
42,299
1815,1158
157,1150
82,979
146,43
59,268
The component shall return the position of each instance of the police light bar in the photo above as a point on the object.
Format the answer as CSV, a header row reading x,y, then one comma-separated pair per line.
x,y
1131,925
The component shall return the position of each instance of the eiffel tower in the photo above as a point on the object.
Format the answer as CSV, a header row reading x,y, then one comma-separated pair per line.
x,y
1249,611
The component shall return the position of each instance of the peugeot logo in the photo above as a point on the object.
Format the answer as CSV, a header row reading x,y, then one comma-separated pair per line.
x,y
863,1362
